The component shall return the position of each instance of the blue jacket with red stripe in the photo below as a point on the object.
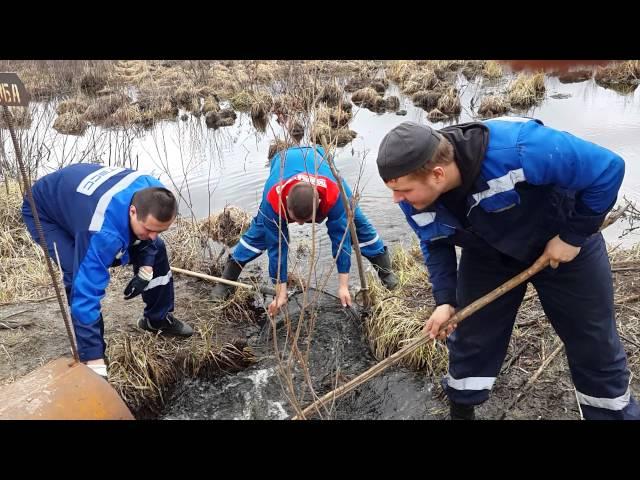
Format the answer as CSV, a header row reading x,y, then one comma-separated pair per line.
x,y
91,203
294,165
535,182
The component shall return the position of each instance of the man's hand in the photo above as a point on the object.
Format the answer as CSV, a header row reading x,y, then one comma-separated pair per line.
x,y
343,289
138,283
280,300
344,296
558,251
440,315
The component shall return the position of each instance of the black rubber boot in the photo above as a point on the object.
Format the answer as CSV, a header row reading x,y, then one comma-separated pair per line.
x,y
462,412
232,271
382,265
169,326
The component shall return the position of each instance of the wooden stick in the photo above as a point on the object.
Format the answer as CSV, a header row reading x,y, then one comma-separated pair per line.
x,y
629,299
211,278
28,301
632,342
532,380
11,324
422,339
15,314
625,263
614,216
626,269
3,159
527,323
513,358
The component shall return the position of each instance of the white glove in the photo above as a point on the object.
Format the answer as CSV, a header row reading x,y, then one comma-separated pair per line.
x,y
100,370
145,273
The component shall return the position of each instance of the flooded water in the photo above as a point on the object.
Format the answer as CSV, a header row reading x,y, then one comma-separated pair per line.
x,y
235,171
228,166
212,169
338,349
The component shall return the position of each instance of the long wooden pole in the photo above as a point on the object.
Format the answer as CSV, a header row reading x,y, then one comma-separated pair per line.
x,y
422,339
469,310
211,278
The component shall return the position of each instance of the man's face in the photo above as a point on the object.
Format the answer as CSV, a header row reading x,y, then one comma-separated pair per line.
x,y
420,192
149,228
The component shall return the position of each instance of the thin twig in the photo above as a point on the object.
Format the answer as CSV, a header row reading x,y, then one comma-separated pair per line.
x,y
532,380
15,314
513,358
9,325
527,323
629,299
632,342
36,300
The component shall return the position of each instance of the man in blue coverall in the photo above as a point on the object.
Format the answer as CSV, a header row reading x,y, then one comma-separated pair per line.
x,y
299,178
99,217
510,191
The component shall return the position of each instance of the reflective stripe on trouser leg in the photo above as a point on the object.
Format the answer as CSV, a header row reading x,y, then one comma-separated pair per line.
x,y
371,244
478,346
159,295
578,300
252,244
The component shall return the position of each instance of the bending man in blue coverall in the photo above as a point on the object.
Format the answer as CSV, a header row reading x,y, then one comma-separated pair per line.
x,y
510,191
99,217
299,179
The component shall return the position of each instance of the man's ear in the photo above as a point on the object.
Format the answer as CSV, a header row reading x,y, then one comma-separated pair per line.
x,y
438,173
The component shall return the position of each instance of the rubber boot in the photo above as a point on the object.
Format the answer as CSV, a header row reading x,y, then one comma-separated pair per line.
x,y
232,271
382,265
462,412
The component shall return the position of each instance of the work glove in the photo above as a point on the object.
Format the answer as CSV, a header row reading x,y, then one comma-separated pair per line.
x,y
100,370
137,284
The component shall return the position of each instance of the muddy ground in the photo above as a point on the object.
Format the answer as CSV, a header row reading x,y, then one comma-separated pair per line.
x,y
397,394
44,337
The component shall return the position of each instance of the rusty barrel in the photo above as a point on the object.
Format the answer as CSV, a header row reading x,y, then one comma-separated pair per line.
x,y
62,390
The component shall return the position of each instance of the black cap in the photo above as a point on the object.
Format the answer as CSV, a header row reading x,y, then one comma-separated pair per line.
x,y
406,148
